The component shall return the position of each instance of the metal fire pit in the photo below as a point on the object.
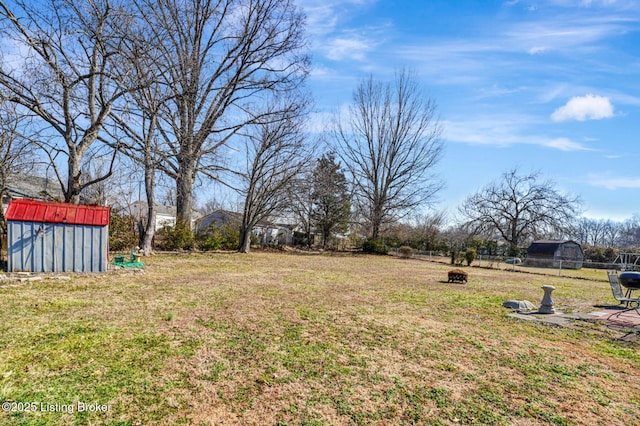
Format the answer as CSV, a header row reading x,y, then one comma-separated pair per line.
x,y
457,275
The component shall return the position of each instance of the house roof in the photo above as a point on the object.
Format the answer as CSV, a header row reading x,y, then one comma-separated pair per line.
x,y
35,187
217,217
40,211
547,246
141,208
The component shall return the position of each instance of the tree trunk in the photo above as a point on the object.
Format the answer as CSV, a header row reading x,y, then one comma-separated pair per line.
x,y
308,233
149,232
245,240
375,229
149,187
326,234
3,222
72,193
184,193
513,244
376,219
308,230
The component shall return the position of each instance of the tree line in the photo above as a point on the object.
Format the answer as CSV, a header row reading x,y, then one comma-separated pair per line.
x,y
212,93
206,91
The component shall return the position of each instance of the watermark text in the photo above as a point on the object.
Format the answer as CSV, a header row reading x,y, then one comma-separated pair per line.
x,y
44,407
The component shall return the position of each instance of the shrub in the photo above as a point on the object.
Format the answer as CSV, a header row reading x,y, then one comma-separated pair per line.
x,y
122,232
375,246
176,237
224,237
405,252
470,256
457,256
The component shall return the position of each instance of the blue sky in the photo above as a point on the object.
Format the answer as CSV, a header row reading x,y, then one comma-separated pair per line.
x,y
548,86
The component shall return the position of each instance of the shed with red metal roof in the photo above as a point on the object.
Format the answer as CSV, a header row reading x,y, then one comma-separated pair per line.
x,y
57,237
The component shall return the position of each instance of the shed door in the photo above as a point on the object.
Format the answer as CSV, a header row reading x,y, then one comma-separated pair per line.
x,y
569,252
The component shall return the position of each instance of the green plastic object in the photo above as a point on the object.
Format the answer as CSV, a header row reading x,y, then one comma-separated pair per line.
x,y
129,264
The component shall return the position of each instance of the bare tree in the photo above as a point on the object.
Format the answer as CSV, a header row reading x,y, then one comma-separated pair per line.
x,y
301,202
389,144
275,154
428,228
220,56
612,233
16,156
140,145
65,79
519,207
137,120
587,231
630,232
598,232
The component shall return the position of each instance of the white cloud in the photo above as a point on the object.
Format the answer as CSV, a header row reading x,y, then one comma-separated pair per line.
x,y
333,34
348,48
565,34
581,108
566,144
626,99
13,54
537,50
497,91
551,93
464,60
506,130
325,17
318,122
614,183
589,3
503,130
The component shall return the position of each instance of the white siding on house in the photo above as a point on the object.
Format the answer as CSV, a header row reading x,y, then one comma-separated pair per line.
x,y
164,220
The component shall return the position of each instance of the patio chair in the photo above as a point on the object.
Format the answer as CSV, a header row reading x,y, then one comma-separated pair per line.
x,y
621,320
616,288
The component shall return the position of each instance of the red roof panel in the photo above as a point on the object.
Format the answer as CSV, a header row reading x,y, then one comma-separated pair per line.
x,y
41,211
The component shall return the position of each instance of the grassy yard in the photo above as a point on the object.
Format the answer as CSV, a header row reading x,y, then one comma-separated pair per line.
x,y
295,339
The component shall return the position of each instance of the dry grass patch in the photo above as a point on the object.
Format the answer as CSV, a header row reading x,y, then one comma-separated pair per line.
x,y
306,339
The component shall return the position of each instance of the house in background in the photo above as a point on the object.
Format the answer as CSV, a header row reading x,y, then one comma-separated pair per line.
x,y
218,218
165,215
265,232
32,187
555,254
271,234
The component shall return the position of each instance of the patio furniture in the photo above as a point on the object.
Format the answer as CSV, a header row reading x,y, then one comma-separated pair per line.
x,y
625,319
616,288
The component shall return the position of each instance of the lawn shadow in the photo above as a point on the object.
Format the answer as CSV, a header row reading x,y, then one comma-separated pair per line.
x,y
622,319
452,282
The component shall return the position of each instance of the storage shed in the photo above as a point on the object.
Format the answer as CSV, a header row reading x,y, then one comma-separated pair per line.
x,y
555,254
57,237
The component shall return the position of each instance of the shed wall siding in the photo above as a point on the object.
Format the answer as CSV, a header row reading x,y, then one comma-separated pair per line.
x,y
47,247
566,255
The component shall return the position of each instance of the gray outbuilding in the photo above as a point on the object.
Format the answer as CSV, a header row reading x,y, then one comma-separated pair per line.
x,y
565,254
57,237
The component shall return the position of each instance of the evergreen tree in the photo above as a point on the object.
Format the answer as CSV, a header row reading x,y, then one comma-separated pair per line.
x,y
331,200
